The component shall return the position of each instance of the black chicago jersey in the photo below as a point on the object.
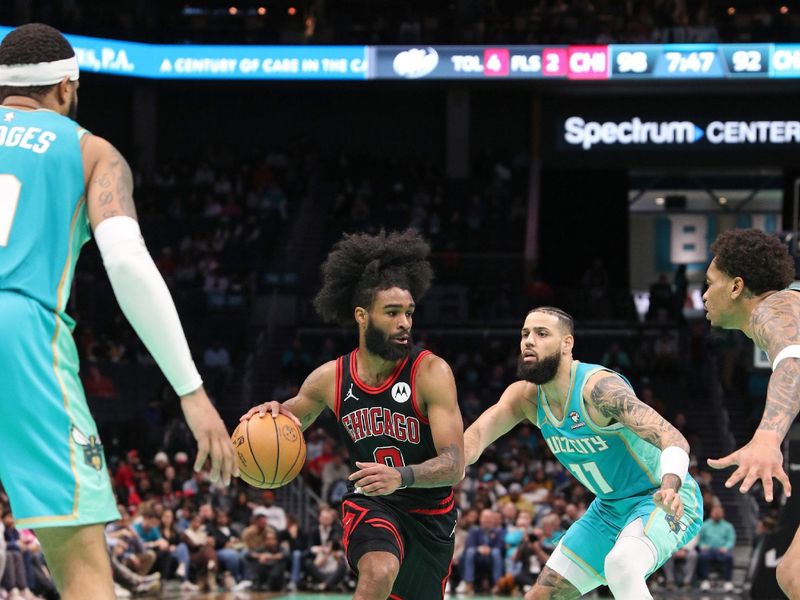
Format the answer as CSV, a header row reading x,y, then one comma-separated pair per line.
x,y
384,424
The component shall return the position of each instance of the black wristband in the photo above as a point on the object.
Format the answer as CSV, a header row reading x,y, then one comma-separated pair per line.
x,y
406,477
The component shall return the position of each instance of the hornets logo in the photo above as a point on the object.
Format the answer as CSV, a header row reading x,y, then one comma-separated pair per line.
x,y
92,448
675,525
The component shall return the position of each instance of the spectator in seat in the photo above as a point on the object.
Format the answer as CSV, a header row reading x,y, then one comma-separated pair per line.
x,y
483,552
334,477
327,565
717,539
202,555
266,559
276,516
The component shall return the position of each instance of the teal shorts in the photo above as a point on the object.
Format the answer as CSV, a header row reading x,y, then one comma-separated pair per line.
x,y
51,458
580,555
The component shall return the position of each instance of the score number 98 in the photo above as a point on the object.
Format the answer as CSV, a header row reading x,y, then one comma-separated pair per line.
x,y
632,62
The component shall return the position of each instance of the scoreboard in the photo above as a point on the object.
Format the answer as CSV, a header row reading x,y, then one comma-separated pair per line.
x,y
692,61
498,62
606,62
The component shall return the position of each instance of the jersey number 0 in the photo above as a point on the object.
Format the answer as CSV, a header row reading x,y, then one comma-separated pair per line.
x,y
10,188
389,456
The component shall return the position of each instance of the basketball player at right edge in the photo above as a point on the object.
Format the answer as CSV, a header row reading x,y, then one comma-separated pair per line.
x,y
750,289
397,406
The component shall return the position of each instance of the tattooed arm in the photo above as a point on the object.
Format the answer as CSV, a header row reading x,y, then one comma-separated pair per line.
x,y
610,399
314,395
774,325
437,389
109,181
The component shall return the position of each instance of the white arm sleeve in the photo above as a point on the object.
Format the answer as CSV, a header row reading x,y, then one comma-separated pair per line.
x,y
145,300
674,460
792,351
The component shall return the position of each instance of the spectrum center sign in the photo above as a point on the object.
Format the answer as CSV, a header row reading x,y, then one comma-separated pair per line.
x,y
590,135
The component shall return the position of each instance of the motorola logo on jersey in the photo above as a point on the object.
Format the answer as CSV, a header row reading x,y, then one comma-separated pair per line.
x,y
378,421
401,392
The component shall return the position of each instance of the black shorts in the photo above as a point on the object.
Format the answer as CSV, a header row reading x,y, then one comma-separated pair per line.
x,y
421,539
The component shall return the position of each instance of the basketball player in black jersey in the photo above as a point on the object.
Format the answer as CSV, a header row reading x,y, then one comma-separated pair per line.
x,y
397,407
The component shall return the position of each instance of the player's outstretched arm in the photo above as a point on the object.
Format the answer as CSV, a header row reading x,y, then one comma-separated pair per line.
x,y
612,398
495,421
310,401
775,326
436,387
145,300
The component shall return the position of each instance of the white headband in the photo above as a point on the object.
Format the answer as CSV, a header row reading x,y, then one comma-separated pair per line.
x,y
44,73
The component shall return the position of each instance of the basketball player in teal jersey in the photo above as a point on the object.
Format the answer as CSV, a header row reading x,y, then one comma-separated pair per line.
x,y
750,289
624,452
57,184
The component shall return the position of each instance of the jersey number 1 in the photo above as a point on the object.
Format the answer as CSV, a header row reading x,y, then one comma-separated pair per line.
x,y
10,188
389,456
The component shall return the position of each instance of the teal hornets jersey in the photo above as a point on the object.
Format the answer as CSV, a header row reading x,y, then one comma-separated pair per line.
x,y
612,462
43,218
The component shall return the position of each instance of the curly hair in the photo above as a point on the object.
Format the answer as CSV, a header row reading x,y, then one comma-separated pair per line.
x,y
30,44
760,259
360,265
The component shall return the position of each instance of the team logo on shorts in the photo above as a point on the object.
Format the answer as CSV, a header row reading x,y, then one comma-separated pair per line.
x,y
576,420
401,392
675,525
92,448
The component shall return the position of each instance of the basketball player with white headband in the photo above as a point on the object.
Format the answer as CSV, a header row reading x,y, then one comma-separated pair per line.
x,y
750,289
58,184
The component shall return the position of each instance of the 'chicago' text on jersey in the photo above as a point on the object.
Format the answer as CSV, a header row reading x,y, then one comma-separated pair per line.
x,y
375,421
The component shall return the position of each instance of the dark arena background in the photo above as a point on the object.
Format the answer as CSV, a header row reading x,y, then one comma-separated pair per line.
x,y
576,153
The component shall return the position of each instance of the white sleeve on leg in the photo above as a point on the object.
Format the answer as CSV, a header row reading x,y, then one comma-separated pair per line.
x,y
629,562
145,300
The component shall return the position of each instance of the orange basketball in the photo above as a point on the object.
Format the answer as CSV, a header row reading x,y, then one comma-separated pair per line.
x,y
271,451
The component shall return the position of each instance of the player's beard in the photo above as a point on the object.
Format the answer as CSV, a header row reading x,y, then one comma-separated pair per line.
x,y
380,344
541,371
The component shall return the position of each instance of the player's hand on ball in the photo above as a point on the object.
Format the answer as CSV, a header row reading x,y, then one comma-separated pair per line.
x,y
761,459
375,479
273,407
670,502
213,439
